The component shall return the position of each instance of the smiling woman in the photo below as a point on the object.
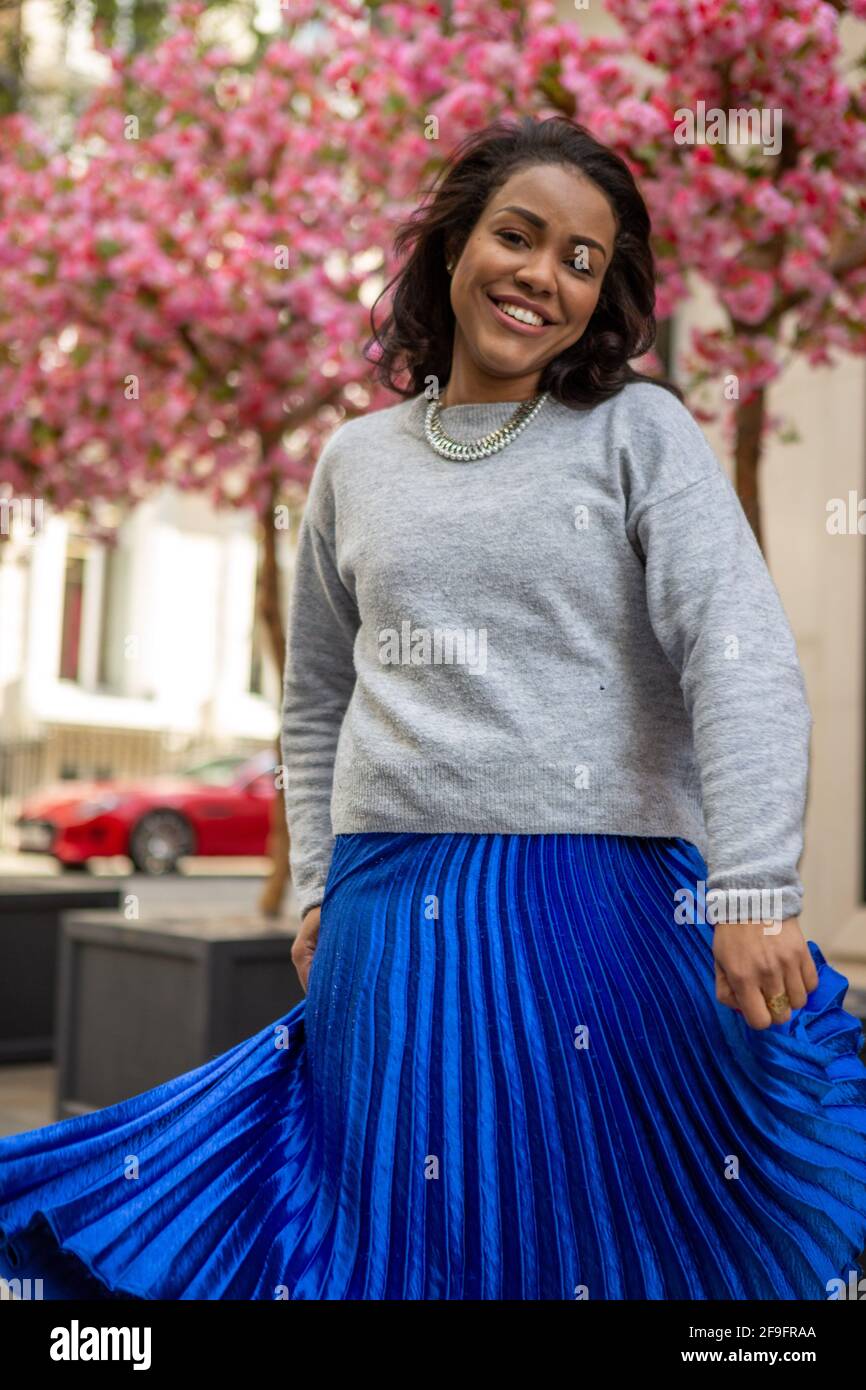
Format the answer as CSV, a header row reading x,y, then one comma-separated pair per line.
x,y
524,274
520,1071
530,270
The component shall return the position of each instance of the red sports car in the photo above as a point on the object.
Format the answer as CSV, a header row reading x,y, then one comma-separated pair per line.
x,y
222,807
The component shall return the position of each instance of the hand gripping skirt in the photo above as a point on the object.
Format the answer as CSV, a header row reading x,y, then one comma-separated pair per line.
x,y
510,1079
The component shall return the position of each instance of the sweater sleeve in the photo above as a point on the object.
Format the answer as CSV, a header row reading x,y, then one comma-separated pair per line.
x,y
318,681
719,619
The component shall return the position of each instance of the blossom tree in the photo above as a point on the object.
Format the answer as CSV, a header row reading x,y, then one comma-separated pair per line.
x,y
185,290
767,207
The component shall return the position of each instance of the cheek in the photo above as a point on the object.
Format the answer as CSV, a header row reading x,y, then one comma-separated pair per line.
x,y
585,301
484,263
471,296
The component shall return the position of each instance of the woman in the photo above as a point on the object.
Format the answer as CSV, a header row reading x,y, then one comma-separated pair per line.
x,y
537,671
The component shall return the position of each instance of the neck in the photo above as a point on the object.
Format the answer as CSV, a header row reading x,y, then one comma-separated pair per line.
x,y
467,386
452,397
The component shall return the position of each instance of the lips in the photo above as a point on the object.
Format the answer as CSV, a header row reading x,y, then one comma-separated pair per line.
x,y
500,299
530,330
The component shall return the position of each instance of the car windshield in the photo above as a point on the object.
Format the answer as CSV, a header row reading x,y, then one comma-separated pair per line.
x,y
220,772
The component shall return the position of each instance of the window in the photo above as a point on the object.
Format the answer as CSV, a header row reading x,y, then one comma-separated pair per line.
x,y
111,670
95,588
73,610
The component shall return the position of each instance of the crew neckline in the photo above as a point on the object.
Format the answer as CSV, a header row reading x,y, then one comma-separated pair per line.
x,y
476,405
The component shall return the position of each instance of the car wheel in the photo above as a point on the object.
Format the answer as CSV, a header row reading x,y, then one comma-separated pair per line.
x,y
158,841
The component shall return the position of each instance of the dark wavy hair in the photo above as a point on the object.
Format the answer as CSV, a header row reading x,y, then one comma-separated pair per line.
x,y
418,335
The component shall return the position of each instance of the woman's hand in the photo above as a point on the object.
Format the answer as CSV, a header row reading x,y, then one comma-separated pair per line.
x,y
753,965
304,946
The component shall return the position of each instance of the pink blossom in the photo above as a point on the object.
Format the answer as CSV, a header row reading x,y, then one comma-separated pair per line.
x,y
171,302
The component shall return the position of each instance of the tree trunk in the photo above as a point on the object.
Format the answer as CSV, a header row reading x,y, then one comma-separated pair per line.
x,y
271,612
12,45
747,456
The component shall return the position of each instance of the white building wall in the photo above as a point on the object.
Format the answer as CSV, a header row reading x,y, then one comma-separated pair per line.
x,y
184,629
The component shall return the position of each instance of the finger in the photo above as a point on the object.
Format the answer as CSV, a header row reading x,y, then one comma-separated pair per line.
x,y
772,984
795,985
310,958
753,1005
724,993
301,958
302,965
809,970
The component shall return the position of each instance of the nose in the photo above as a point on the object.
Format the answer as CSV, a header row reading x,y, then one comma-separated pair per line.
x,y
538,274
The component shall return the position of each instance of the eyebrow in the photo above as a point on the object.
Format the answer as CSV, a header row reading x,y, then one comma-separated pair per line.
x,y
537,221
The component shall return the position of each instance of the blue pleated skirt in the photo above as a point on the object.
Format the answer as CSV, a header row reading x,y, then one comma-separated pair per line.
x,y
510,1079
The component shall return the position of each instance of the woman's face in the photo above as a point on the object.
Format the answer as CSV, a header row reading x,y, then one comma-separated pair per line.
x,y
546,237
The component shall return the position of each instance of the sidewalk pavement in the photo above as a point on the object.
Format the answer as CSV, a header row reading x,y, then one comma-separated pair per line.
x,y
27,1091
16,865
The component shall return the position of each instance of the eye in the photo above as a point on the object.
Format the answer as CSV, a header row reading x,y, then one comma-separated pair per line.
x,y
578,270
514,234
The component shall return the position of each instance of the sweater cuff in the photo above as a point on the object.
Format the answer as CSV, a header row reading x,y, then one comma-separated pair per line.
x,y
753,902
311,898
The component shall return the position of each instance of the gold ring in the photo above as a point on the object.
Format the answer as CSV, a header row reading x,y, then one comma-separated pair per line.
x,y
778,1005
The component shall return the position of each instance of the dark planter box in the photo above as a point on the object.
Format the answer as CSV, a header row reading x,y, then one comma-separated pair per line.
x,y
30,914
142,1002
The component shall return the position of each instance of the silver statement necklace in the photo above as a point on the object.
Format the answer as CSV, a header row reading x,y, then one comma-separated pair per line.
x,y
464,451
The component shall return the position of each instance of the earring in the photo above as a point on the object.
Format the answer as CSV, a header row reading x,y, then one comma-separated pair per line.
x,y
449,267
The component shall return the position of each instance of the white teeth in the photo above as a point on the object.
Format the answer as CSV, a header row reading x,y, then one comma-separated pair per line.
x,y
523,315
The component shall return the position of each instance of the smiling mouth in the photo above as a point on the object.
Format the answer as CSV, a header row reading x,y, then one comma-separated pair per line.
x,y
528,321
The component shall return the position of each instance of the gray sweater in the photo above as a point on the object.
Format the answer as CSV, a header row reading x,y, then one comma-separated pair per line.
x,y
576,634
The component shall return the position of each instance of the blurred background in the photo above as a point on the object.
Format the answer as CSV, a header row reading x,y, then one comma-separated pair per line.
x,y
196,205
